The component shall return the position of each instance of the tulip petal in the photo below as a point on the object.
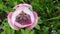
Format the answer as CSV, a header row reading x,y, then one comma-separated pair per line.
x,y
22,6
21,26
35,21
29,12
10,22
26,5
17,12
14,15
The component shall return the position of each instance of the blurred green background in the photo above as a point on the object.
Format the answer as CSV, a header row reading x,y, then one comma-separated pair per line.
x,y
48,12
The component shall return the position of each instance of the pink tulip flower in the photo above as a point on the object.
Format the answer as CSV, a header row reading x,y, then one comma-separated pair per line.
x,y
22,17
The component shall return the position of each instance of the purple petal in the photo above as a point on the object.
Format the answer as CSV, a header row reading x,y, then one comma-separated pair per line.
x,y
35,21
10,22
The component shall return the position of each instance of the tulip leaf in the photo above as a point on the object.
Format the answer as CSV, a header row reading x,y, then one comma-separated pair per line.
x,y
7,29
25,31
37,27
32,32
22,31
3,32
39,20
44,30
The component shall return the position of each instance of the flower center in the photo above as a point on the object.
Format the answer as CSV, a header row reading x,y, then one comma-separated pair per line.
x,y
22,17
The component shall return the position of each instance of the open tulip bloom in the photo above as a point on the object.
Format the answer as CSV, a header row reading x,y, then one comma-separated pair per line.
x,y
22,17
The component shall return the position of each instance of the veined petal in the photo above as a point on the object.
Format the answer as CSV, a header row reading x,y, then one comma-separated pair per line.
x,y
14,18
22,6
29,12
14,15
19,25
22,26
35,21
26,5
10,22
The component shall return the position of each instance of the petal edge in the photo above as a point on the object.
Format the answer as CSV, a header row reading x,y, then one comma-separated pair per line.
x,y
10,22
35,21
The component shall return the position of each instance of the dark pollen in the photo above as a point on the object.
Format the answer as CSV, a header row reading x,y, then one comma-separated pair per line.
x,y
22,17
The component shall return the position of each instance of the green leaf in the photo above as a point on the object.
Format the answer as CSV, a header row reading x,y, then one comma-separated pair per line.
x,y
3,32
32,32
37,27
58,31
39,20
7,29
25,31
22,31
44,30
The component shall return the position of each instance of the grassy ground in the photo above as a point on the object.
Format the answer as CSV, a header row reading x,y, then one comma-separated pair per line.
x,y
48,12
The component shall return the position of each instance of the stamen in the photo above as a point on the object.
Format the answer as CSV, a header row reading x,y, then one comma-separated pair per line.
x,y
22,17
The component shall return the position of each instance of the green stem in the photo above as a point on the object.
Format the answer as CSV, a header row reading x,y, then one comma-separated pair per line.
x,y
54,18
